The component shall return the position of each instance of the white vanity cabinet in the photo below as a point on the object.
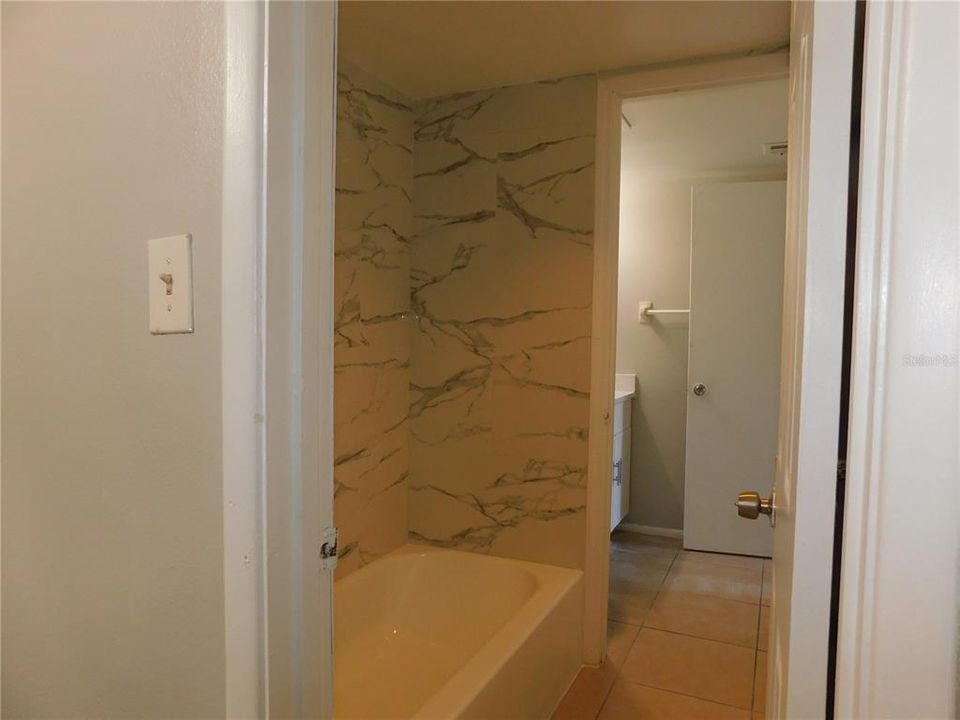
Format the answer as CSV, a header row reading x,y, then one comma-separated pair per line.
x,y
620,475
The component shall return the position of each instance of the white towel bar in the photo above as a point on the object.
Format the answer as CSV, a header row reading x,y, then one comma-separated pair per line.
x,y
646,311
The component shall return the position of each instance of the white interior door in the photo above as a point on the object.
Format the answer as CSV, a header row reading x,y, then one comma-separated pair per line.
x,y
736,294
821,81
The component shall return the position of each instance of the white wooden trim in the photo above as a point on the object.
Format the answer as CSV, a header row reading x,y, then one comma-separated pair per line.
x,y
299,166
242,363
651,530
708,74
860,514
611,92
277,354
897,640
602,370
1,335
822,54
320,181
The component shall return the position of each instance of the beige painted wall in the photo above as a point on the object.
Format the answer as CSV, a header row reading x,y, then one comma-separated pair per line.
x,y
676,140
112,524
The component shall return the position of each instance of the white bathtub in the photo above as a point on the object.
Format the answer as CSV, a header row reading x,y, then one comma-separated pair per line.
x,y
429,633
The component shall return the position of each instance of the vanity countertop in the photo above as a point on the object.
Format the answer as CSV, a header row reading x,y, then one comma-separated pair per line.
x,y
625,386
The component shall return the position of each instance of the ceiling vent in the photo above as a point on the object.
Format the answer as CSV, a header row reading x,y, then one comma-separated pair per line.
x,y
777,149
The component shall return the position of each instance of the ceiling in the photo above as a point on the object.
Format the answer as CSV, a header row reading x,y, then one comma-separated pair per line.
x,y
425,49
713,132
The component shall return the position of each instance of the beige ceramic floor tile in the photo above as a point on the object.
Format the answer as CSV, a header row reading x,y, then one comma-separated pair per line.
x,y
692,666
630,606
760,684
733,583
763,639
705,616
626,562
741,561
767,590
587,693
642,542
629,701
635,580
655,557
625,580
620,637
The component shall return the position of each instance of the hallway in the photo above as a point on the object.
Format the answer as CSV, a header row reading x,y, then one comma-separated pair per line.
x,y
687,636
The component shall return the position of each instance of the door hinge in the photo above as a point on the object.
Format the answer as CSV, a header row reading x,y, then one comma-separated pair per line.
x,y
329,548
842,471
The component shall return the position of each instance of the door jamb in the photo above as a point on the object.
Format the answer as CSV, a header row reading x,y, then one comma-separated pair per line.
x,y
277,356
885,653
611,92
242,379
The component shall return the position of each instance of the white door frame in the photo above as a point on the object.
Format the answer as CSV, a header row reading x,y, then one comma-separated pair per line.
x,y
897,639
277,329
611,92
822,68
241,345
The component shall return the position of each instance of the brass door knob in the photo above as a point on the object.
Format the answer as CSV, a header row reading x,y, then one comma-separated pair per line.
x,y
751,506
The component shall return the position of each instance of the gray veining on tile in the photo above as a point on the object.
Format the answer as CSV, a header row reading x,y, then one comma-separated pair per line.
x,y
462,319
500,282
374,178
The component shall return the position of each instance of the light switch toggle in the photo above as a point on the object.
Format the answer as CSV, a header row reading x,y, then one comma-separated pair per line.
x,y
171,299
167,279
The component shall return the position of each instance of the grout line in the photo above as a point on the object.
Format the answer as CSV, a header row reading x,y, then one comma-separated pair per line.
x,y
715,553
619,670
751,603
643,625
607,694
658,593
639,627
695,697
758,601
756,650
701,637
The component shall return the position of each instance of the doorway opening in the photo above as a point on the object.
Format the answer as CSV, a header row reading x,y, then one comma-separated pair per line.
x,y
700,274
695,214
700,286
466,319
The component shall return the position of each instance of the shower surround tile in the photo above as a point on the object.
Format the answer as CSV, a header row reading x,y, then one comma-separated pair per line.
x,y
500,289
374,179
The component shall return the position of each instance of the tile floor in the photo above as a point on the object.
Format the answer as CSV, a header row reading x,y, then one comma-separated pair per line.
x,y
687,638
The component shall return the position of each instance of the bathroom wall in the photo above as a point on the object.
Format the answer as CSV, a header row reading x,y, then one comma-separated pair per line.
x,y
675,141
501,270
112,586
374,178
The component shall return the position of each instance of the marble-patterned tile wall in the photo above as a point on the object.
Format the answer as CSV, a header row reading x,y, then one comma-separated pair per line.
x,y
374,178
501,273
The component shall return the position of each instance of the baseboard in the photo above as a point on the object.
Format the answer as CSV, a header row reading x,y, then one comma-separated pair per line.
x,y
650,530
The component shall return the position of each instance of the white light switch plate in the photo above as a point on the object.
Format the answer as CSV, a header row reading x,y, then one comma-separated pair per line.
x,y
170,285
